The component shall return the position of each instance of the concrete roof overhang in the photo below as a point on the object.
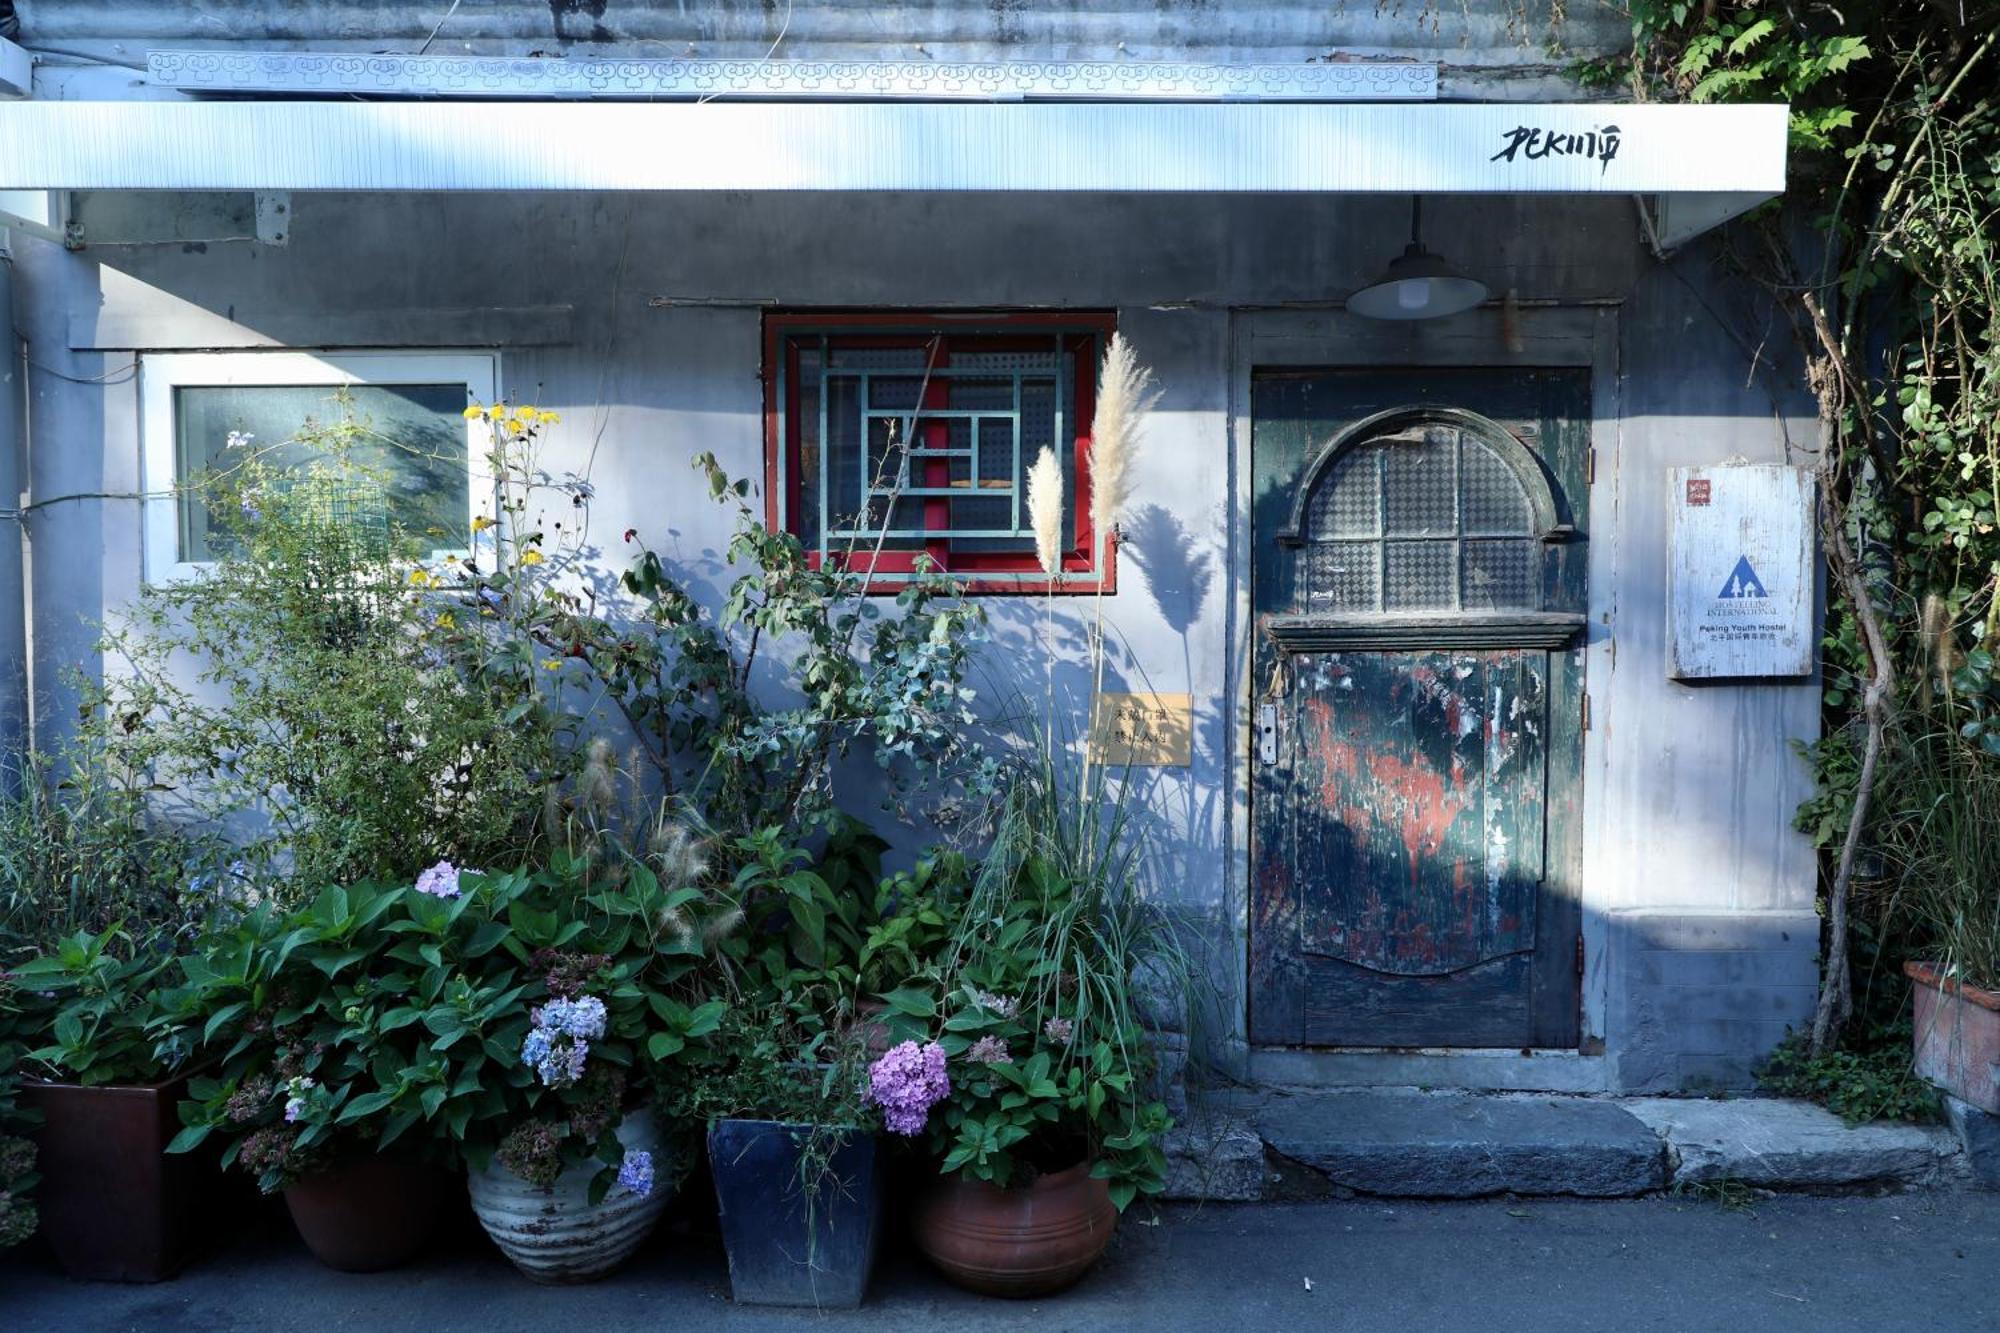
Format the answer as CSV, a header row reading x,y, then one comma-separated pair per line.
x,y
1712,160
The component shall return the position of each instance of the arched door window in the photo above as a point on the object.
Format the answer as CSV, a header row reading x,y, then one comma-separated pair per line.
x,y
1428,512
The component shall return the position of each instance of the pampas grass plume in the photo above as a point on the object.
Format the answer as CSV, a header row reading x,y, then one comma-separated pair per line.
x,y
1045,509
1125,393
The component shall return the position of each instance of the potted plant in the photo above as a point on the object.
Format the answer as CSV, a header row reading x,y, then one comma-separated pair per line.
x,y
1034,1094
113,1204
792,1150
17,1150
1941,805
577,997
322,1018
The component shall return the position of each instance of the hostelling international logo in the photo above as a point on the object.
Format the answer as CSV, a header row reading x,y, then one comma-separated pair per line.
x,y
1534,142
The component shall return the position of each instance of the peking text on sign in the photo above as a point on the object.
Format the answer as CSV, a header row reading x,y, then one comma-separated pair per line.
x,y
1740,573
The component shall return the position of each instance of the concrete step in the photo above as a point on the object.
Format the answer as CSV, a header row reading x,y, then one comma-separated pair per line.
x,y
1416,1143
1456,1145
1791,1145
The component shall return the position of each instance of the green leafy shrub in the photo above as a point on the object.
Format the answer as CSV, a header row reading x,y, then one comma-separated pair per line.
x,y
17,1153
1870,1079
80,851
861,679
1035,1003
380,1016
95,1005
322,703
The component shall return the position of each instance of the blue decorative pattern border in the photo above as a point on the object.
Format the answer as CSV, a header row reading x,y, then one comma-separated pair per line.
x,y
591,77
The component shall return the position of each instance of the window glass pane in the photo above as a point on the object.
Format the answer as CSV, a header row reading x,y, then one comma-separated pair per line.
x,y
1419,576
1500,574
1421,484
1495,503
408,442
1343,576
1347,502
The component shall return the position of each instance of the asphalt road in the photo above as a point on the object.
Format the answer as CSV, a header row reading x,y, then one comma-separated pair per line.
x,y
1913,1261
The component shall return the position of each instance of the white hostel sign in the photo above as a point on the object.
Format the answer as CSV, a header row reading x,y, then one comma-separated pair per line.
x,y
1740,573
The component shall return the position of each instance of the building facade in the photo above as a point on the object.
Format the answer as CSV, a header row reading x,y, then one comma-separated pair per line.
x,y
1457,807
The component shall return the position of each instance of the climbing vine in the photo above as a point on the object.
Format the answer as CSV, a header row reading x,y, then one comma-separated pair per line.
x,y
1882,261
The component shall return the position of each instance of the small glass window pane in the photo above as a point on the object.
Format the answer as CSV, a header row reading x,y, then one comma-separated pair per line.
x,y
408,438
1421,484
1419,576
1347,503
1495,503
1500,574
1343,576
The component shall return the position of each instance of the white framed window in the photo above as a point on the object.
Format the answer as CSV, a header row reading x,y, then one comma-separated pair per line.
x,y
202,413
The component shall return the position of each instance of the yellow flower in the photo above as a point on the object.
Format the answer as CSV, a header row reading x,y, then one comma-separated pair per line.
x,y
531,557
481,523
526,412
446,620
552,664
550,418
421,578
473,412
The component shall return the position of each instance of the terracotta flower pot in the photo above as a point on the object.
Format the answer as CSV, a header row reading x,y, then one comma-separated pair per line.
x,y
1029,1241
554,1233
368,1213
1957,1036
114,1206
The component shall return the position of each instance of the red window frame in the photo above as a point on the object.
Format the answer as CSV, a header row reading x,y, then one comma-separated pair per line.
x,y
1084,333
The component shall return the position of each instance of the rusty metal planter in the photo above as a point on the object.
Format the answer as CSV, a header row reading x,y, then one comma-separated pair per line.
x,y
114,1205
1957,1036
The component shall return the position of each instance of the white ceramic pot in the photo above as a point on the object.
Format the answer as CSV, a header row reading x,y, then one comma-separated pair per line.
x,y
554,1233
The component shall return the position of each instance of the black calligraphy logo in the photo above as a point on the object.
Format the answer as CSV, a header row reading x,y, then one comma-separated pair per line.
x,y
1523,141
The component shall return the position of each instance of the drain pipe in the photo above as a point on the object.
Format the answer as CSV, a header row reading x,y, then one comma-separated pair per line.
x,y
14,715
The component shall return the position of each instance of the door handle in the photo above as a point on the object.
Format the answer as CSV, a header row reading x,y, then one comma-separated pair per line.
x,y
1267,733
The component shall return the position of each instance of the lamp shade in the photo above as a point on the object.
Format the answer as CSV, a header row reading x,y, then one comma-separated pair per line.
x,y
1417,285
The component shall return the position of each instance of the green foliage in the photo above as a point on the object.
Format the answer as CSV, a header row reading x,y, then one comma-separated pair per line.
x,y
680,677
382,1015
325,707
1036,1004
1870,1079
17,1154
1939,807
94,1005
80,851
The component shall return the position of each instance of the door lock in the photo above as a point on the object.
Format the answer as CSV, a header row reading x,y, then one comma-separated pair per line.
x,y
1267,733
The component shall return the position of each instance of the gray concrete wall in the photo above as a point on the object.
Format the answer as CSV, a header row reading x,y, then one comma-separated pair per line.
x,y
1486,48
638,318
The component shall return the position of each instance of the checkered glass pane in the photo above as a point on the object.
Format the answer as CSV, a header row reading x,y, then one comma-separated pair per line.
x,y
1494,500
1347,502
1419,576
1421,486
1343,576
1499,575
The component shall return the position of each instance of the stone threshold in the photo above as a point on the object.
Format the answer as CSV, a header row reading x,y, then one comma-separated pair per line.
x,y
1246,1146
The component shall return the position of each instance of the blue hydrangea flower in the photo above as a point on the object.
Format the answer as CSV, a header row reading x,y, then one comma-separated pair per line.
x,y
635,1173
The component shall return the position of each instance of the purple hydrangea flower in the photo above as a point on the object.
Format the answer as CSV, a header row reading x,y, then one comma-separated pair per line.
x,y
635,1173
1059,1031
1003,1005
440,881
989,1050
906,1082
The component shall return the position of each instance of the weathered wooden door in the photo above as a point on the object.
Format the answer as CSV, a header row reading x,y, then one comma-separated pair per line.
x,y
1418,596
